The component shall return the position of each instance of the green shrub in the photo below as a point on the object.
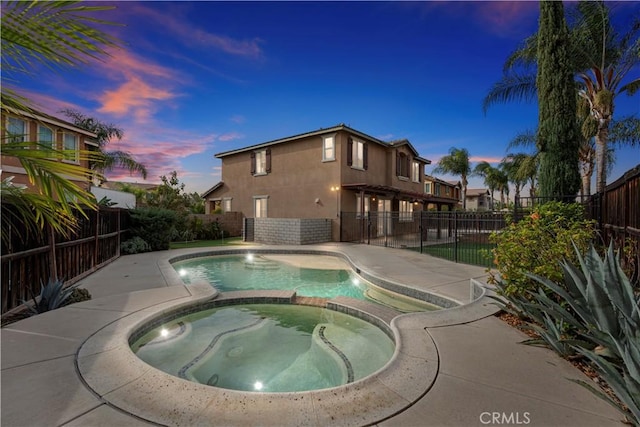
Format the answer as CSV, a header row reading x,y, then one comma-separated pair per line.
x,y
78,295
537,243
156,226
134,246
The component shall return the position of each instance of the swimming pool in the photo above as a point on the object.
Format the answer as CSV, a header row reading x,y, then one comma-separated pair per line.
x,y
266,347
308,275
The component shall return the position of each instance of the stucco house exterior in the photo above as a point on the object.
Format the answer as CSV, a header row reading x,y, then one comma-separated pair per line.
x,y
442,193
35,127
478,199
320,174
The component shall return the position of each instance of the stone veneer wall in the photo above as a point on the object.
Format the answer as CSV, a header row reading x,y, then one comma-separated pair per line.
x,y
292,231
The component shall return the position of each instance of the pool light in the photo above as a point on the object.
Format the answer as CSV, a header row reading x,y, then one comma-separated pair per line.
x,y
258,385
250,257
355,281
164,332
182,272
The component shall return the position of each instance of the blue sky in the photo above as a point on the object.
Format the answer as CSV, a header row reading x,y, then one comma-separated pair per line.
x,y
198,78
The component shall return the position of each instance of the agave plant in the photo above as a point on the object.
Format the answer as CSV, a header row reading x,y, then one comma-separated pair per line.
x,y
602,314
52,295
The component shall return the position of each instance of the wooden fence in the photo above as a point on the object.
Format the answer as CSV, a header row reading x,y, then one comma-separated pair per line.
x,y
618,214
27,264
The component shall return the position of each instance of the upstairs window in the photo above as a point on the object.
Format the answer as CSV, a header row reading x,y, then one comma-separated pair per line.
x,y
357,154
402,165
328,148
17,130
437,189
415,171
45,137
71,145
427,187
261,162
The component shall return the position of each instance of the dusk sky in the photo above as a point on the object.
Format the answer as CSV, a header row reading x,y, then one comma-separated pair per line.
x,y
197,78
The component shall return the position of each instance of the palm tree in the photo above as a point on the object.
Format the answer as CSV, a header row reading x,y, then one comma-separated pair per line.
x,y
456,163
601,59
514,166
490,176
105,133
58,35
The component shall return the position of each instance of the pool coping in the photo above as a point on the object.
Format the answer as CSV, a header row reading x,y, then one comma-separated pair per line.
x,y
109,368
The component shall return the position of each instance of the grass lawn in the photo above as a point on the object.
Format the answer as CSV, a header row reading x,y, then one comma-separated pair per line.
x,y
468,253
205,243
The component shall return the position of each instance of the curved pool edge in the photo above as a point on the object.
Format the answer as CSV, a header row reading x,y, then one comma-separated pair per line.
x,y
477,290
116,375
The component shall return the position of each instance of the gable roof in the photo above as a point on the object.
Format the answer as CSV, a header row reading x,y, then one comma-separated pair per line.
x,y
322,131
404,141
212,189
475,192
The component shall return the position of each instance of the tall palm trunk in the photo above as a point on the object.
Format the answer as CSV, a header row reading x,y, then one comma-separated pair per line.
x,y
602,137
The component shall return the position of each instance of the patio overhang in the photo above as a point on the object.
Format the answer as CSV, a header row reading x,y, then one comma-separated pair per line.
x,y
387,191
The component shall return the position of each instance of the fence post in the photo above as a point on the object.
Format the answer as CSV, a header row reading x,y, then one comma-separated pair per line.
x,y
53,263
420,229
455,236
97,240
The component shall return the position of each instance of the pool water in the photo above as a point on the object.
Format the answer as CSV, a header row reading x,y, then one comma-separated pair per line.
x,y
267,348
255,272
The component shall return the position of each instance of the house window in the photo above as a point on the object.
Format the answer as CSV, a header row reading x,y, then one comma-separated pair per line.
x,y
17,130
415,171
261,162
437,189
260,206
71,147
367,204
328,148
406,210
45,137
357,154
427,187
402,165
226,204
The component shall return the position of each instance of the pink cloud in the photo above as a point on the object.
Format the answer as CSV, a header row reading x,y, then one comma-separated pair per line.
x,y
230,136
180,27
503,17
487,159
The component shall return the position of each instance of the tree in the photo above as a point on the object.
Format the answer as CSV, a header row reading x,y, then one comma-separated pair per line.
x,y
58,35
456,163
490,176
558,136
514,167
600,57
106,132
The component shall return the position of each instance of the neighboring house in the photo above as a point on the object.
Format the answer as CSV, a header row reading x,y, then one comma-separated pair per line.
x,y
35,127
442,193
478,199
320,174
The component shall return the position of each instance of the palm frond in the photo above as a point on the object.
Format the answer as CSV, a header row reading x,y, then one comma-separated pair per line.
x,y
512,87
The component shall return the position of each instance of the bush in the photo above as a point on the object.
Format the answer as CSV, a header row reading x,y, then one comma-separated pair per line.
x,y
156,226
78,295
537,243
134,246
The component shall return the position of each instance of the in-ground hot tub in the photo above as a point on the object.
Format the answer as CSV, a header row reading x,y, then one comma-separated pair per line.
x,y
265,347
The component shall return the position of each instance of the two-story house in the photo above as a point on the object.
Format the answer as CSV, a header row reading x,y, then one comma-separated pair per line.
x,y
35,127
442,193
479,199
320,174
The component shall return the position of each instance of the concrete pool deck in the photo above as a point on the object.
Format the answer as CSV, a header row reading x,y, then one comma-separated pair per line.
x,y
476,372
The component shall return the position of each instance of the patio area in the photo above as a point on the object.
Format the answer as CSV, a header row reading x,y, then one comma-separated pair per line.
x,y
66,368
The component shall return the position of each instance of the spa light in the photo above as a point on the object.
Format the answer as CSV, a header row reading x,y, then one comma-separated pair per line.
x,y
164,332
182,272
250,257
